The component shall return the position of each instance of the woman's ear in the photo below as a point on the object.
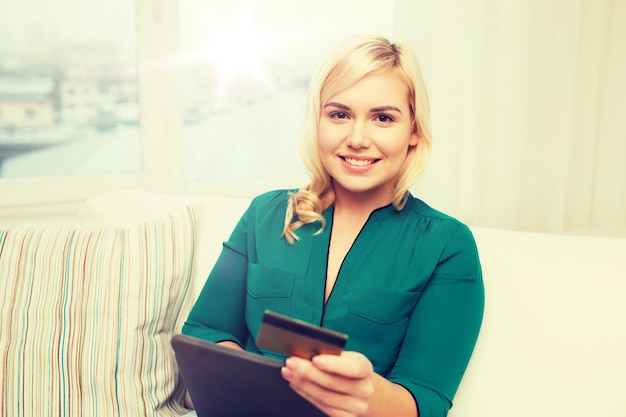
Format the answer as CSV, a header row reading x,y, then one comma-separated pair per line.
x,y
414,139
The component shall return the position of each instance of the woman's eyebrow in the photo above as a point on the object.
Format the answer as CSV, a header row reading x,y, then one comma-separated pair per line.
x,y
385,108
372,110
338,105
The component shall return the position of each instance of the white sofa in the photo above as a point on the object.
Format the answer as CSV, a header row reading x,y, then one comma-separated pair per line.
x,y
87,311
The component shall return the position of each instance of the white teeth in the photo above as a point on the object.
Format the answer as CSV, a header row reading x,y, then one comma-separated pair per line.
x,y
359,162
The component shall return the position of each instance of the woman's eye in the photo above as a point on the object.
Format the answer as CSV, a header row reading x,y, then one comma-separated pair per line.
x,y
383,118
339,115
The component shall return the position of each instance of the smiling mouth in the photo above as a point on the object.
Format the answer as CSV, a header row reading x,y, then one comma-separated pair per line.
x,y
359,162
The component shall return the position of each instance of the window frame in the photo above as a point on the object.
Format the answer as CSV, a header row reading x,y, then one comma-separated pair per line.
x,y
159,98
161,130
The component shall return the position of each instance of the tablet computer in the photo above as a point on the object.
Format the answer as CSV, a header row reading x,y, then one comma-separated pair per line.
x,y
228,382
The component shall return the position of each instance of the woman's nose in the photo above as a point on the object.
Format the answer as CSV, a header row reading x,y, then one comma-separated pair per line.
x,y
358,137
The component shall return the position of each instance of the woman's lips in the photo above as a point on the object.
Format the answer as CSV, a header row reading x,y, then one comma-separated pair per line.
x,y
359,162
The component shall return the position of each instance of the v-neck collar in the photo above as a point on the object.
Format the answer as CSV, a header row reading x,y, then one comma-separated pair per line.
x,y
379,214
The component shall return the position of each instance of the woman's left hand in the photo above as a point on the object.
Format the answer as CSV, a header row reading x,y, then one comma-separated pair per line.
x,y
339,385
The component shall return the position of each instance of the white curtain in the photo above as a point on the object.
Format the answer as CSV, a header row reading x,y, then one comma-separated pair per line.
x,y
528,102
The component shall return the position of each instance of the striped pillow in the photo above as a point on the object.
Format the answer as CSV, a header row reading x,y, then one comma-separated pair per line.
x,y
86,317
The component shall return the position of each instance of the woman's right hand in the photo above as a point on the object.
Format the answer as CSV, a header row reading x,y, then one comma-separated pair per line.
x,y
339,385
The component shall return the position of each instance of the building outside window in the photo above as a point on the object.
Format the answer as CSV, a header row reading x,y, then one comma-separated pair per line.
x,y
68,89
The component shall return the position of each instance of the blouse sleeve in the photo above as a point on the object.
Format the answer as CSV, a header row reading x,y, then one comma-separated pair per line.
x,y
219,311
443,328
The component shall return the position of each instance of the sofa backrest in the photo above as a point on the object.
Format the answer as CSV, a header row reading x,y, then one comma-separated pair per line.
x,y
553,340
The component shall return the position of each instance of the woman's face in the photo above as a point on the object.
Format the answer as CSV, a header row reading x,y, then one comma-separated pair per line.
x,y
364,135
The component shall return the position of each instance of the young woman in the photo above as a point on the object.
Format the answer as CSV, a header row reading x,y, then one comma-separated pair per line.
x,y
355,252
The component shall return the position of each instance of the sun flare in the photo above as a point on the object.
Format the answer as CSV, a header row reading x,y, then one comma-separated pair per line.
x,y
236,48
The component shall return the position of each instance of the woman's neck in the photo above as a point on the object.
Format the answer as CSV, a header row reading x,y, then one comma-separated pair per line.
x,y
360,204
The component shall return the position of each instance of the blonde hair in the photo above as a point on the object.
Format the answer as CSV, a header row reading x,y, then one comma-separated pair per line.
x,y
351,61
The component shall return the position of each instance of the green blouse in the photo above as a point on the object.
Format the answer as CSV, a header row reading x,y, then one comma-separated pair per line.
x,y
409,293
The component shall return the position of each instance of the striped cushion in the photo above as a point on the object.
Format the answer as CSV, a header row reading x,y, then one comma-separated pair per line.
x,y
86,317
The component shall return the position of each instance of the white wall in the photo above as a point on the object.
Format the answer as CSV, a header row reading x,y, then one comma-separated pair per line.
x,y
527,101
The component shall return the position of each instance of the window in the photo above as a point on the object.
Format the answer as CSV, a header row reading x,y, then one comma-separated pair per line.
x,y
129,94
245,72
62,115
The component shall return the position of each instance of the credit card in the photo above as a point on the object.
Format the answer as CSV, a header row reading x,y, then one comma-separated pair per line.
x,y
292,337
